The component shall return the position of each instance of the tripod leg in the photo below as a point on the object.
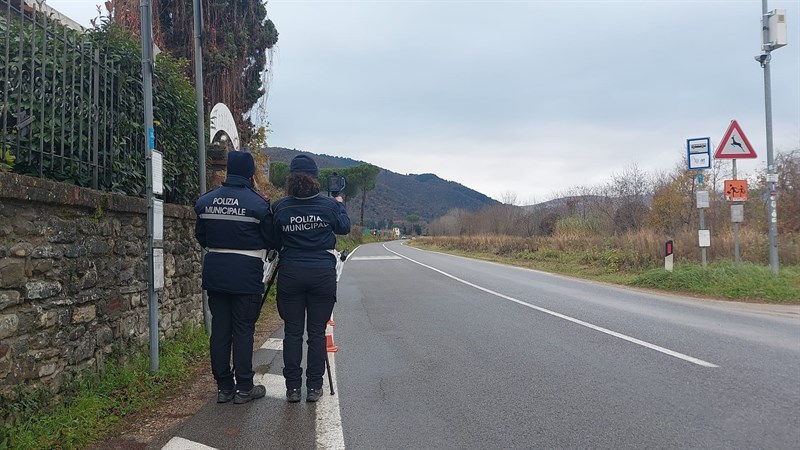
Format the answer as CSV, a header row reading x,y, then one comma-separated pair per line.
x,y
328,369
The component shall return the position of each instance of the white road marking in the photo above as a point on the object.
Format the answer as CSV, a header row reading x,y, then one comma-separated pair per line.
x,y
274,383
373,258
273,344
330,435
179,443
329,420
657,348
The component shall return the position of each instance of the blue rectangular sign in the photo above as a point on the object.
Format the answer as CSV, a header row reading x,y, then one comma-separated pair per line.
x,y
698,153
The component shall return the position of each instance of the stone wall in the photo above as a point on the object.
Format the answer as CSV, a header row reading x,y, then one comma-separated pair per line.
x,y
73,284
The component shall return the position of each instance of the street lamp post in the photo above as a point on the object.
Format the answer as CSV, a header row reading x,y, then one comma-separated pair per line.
x,y
149,138
201,128
773,37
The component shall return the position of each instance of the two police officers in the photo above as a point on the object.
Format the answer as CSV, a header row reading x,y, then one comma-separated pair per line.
x,y
305,224
234,226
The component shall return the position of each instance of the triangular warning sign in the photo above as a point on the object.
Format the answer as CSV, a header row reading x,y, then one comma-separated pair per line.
x,y
735,144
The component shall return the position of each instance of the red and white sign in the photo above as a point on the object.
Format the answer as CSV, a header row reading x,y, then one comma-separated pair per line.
x,y
735,144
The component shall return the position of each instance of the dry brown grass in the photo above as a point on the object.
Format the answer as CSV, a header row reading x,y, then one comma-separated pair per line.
x,y
642,249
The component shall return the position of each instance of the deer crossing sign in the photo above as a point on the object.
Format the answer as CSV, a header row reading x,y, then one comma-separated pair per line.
x,y
734,144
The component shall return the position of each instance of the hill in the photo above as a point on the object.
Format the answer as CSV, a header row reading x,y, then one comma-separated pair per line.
x,y
398,196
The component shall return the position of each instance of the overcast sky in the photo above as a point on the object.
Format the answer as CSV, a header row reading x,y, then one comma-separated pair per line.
x,y
528,98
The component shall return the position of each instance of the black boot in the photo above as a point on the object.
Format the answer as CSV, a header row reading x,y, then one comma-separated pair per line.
x,y
293,395
257,391
313,395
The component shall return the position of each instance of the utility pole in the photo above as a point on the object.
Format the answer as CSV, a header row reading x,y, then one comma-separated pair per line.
x,y
145,14
774,36
201,127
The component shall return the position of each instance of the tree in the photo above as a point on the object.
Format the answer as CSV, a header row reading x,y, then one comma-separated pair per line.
x,y
547,226
237,40
788,168
278,171
630,216
672,205
363,177
413,218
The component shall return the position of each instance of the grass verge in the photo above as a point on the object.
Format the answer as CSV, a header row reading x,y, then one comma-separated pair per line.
x,y
725,280
96,405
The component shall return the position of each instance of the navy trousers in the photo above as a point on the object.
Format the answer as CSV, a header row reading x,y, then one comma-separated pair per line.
x,y
233,322
305,295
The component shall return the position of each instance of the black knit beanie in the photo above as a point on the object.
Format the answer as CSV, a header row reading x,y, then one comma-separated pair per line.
x,y
241,163
303,163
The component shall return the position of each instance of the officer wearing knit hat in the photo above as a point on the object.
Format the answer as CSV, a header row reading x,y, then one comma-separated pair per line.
x,y
241,164
305,225
234,224
303,163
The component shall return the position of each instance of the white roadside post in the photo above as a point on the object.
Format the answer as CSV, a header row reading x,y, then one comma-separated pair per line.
x,y
668,258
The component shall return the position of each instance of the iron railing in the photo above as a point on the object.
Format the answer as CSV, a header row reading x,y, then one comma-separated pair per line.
x,y
58,93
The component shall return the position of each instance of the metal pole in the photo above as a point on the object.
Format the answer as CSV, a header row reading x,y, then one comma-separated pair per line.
x,y
703,227
201,128
736,258
772,214
149,140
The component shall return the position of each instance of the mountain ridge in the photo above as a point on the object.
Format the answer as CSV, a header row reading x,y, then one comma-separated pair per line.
x,y
397,196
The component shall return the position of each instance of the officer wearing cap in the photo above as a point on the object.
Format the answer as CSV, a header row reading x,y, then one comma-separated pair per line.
x,y
234,226
305,224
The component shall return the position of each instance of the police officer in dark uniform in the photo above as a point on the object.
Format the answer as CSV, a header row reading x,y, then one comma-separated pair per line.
x,y
234,226
305,223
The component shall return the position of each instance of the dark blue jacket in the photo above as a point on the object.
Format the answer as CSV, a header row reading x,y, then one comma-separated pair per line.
x,y
305,228
233,221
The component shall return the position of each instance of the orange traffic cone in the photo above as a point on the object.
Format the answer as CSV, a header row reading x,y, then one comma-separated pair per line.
x,y
330,346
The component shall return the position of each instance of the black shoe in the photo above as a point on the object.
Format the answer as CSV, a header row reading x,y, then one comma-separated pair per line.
x,y
313,395
293,395
225,395
258,391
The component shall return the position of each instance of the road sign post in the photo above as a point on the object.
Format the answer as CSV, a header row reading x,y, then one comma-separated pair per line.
x,y
698,156
704,236
733,145
146,17
736,192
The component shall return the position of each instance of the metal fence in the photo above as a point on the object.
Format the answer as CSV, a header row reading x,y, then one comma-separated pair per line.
x,y
58,93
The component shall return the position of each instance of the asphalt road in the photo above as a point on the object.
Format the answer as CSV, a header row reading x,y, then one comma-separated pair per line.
x,y
443,352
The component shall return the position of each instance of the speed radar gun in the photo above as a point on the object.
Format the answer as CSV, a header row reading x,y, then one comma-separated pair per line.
x,y
336,184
